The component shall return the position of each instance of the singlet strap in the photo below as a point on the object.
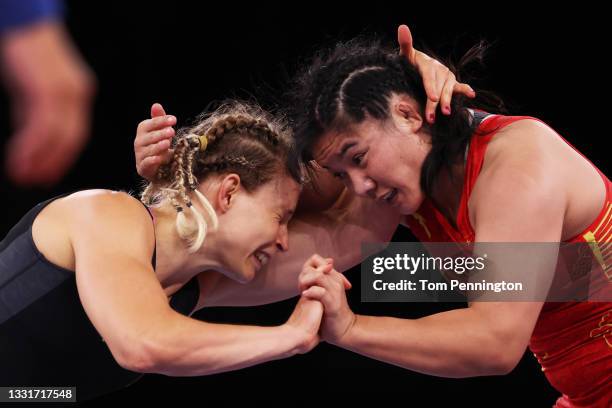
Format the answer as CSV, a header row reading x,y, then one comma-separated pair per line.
x,y
153,259
479,116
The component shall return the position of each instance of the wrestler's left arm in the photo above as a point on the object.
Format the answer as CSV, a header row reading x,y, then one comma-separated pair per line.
x,y
516,199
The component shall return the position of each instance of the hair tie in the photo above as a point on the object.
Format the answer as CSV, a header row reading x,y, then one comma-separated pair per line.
x,y
203,142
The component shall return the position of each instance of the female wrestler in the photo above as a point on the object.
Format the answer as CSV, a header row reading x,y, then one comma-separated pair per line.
x,y
468,178
368,104
86,278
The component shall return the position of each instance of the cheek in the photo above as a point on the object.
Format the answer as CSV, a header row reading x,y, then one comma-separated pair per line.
x,y
271,232
404,153
404,173
407,171
258,231
398,175
241,237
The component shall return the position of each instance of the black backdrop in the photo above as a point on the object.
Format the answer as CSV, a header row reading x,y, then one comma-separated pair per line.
x,y
186,55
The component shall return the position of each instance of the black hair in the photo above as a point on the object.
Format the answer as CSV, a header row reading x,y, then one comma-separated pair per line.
x,y
354,81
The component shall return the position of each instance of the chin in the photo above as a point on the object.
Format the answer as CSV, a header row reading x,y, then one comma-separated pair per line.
x,y
247,278
244,278
247,274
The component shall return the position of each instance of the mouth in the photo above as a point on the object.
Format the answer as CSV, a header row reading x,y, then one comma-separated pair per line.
x,y
389,197
260,258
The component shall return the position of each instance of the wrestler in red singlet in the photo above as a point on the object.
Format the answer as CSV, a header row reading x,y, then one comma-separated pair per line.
x,y
571,340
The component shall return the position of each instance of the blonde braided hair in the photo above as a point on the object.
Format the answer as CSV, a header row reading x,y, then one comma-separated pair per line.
x,y
239,138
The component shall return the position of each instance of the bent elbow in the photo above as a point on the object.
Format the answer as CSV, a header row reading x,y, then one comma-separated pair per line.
x,y
503,361
141,357
138,363
503,349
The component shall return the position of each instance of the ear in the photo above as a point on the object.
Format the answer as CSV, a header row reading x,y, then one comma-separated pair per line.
x,y
228,187
407,112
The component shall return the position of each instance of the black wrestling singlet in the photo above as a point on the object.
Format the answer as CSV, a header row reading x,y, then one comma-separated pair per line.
x,y
46,339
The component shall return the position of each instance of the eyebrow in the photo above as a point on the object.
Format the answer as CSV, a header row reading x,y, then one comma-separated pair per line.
x,y
343,151
346,147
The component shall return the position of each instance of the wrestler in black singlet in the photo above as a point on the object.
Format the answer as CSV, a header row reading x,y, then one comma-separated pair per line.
x,y
46,339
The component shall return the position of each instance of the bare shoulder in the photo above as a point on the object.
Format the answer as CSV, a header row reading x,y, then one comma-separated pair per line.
x,y
111,218
118,202
91,216
541,153
526,152
531,149
98,206
521,170
522,140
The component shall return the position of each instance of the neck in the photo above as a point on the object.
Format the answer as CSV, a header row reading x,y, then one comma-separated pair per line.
x,y
175,265
449,186
447,191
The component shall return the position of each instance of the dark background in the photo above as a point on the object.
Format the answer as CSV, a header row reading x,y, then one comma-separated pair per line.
x,y
187,55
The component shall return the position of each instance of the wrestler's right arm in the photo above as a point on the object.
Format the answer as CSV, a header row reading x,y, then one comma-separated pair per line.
x,y
129,308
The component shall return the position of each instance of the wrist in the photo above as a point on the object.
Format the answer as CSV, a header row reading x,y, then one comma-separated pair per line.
x,y
292,339
345,338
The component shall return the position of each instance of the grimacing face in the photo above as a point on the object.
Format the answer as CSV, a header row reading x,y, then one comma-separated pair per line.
x,y
254,228
380,159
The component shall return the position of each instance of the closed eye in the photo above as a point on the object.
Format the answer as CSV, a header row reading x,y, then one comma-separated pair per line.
x,y
284,219
358,158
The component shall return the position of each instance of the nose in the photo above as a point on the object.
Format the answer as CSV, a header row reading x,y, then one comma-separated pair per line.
x,y
362,184
282,240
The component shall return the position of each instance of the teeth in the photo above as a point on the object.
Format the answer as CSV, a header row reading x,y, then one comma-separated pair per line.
x,y
262,257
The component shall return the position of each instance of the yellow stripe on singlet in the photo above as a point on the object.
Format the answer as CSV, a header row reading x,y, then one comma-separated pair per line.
x,y
606,218
599,241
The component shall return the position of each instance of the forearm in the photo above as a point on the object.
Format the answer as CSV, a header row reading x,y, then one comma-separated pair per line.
x,y
447,344
193,348
336,233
